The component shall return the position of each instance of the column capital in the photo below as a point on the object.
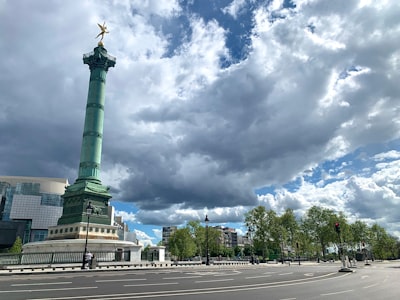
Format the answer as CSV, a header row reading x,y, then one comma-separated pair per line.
x,y
99,58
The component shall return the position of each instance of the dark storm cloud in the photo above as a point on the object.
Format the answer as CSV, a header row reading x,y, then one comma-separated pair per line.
x,y
251,126
185,133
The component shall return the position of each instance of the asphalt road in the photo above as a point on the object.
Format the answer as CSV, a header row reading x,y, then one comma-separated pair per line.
x,y
276,282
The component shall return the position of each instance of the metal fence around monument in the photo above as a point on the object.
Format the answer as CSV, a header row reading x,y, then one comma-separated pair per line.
x,y
60,257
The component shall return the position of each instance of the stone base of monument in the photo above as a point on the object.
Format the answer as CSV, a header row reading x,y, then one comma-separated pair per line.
x,y
79,230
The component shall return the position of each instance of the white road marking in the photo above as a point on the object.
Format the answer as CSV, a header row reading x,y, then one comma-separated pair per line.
x,y
51,290
370,286
120,280
228,274
203,273
41,283
285,273
207,281
183,277
337,293
148,284
261,276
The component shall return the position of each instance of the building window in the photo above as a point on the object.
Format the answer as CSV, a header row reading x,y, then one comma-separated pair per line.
x,y
39,235
51,200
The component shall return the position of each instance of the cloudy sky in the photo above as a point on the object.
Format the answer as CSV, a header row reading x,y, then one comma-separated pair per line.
x,y
213,107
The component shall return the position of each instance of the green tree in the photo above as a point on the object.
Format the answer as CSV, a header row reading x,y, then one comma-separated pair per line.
x,y
247,250
290,229
199,236
182,244
237,251
345,228
319,226
17,246
264,224
305,245
361,233
214,242
384,246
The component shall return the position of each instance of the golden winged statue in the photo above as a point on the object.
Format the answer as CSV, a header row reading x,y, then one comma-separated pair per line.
x,y
103,31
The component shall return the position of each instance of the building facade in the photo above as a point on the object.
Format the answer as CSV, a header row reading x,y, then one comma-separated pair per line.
x,y
34,202
166,234
227,237
230,237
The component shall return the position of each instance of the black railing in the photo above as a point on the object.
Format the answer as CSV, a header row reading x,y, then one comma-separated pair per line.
x,y
60,257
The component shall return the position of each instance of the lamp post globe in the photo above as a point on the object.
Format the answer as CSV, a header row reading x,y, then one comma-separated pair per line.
x,y
89,210
206,220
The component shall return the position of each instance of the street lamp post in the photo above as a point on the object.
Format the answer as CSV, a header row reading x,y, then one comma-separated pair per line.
x,y
89,210
282,249
298,251
250,232
207,250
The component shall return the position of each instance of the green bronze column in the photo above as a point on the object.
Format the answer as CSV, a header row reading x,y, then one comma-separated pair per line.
x,y
99,62
88,188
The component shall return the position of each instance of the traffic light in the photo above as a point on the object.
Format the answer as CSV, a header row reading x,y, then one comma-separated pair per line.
x,y
337,227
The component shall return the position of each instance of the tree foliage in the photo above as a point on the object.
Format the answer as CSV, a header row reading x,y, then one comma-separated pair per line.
x,y
198,233
272,236
313,234
182,244
17,246
264,229
318,225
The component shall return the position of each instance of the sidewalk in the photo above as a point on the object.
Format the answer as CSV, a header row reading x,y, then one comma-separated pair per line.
x,y
76,267
107,266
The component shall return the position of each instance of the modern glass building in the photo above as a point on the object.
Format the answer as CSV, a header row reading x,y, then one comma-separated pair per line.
x,y
34,201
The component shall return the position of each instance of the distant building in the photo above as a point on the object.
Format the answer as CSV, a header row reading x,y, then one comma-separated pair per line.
x,y
228,236
166,234
243,241
33,203
123,230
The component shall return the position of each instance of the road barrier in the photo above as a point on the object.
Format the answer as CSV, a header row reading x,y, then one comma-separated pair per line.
x,y
49,258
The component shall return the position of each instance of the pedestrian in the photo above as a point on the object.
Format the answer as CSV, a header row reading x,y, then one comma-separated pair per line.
x,y
93,262
88,259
